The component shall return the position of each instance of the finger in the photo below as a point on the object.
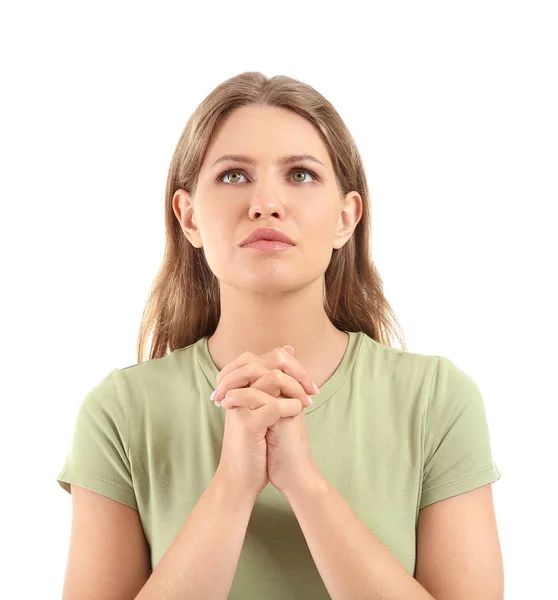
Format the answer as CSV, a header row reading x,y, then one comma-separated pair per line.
x,y
255,399
243,376
268,415
275,383
278,358
243,359
251,398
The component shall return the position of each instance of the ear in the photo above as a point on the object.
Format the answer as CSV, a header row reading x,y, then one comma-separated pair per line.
x,y
183,208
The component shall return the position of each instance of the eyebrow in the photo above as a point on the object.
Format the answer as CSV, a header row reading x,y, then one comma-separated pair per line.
x,y
284,160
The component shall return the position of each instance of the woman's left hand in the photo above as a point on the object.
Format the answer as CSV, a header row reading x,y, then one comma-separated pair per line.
x,y
289,457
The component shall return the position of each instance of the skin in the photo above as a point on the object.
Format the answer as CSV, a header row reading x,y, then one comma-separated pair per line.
x,y
270,299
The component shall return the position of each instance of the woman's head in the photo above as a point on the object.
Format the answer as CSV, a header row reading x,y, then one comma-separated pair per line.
x,y
210,208
233,198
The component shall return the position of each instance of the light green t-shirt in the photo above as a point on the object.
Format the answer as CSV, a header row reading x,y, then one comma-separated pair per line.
x,y
392,430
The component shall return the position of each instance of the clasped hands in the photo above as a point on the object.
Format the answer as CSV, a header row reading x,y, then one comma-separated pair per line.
x,y
277,373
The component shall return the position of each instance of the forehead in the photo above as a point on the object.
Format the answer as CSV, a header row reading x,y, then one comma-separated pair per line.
x,y
266,134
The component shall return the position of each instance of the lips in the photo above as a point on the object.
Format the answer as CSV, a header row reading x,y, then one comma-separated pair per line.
x,y
267,233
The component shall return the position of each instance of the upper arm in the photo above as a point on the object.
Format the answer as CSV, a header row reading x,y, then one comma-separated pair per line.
x,y
109,556
458,548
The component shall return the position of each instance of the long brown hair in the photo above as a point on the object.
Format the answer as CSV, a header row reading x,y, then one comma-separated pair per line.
x,y
184,301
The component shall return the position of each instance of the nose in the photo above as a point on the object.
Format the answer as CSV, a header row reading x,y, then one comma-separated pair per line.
x,y
264,209
266,200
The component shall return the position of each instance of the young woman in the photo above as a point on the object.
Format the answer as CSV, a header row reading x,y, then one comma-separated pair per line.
x,y
379,486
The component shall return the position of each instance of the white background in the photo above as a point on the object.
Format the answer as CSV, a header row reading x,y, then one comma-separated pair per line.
x,y
454,109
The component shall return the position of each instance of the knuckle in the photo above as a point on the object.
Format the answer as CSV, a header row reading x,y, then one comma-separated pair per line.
x,y
280,355
259,369
276,374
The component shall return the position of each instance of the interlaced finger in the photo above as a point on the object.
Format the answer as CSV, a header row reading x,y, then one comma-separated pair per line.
x,y
273,383
278,358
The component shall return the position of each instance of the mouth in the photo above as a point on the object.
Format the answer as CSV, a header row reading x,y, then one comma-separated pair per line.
x,y
267,234
268,245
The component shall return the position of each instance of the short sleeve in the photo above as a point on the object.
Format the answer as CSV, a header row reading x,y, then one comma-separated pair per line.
x,y
99,455
457,450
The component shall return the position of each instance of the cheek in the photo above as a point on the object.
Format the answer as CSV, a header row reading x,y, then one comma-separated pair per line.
x,y
321,227
216,227
317,246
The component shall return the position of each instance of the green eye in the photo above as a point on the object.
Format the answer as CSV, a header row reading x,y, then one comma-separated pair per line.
x,y
294,170
300,171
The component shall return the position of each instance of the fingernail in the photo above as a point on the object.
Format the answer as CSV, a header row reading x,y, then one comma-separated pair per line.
x,y
316,388
213,394
309,399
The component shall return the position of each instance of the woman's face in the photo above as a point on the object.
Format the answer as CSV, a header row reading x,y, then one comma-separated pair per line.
x,y
266,193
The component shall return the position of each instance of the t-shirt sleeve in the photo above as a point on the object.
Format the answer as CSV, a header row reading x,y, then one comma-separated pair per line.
x,y
457,450
99,455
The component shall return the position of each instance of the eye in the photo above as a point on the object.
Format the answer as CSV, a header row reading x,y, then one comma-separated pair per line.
x,y
228,173
304,171
293,170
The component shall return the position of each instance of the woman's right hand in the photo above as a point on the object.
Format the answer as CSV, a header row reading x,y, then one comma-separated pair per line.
x,y
244,452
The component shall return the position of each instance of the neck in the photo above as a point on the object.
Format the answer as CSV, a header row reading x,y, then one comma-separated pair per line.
x,y
260,322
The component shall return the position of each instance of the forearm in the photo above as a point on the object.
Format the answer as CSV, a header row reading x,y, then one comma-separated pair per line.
x,y
202,559
352,562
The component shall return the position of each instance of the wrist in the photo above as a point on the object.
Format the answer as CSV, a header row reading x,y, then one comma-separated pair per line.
x,y
311,481
229,489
